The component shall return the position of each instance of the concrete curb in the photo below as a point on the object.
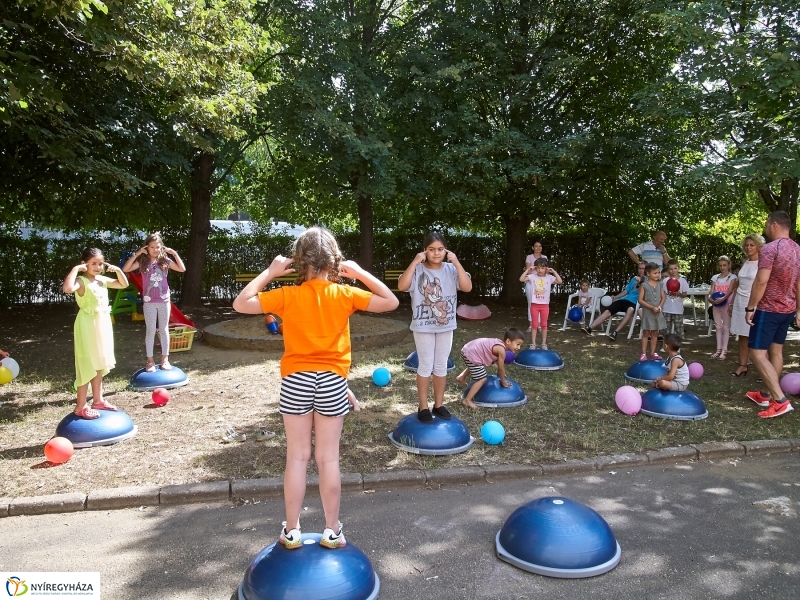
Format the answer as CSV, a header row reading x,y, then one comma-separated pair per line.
x,y
253,489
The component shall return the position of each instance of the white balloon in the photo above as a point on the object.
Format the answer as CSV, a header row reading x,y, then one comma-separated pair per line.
x,y
606,301
12,365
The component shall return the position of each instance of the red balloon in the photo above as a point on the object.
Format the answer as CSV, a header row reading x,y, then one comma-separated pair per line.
x,y
160,396
58,450
269,319
673,285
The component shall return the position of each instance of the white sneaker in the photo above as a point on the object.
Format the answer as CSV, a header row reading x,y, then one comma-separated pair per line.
x,y
291,539
331,539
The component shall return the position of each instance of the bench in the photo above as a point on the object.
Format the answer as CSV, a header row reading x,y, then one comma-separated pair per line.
x,y
390,278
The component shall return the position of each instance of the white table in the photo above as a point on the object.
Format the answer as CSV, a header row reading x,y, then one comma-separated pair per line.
x,y
703,292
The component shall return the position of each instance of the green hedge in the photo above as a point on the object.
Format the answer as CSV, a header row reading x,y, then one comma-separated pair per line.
x,y
33,269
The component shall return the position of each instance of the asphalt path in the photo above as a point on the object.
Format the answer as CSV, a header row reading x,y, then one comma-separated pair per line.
x,y
722,529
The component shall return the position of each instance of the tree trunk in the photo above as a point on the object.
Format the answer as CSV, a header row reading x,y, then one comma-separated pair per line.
x,y
365,231
786,201
202,170
514,261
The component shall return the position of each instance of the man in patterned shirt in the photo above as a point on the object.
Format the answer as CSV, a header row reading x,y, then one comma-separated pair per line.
x,y
773,306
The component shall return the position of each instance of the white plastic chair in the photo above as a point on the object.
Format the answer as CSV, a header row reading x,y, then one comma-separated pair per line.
x,y
594,304
633,321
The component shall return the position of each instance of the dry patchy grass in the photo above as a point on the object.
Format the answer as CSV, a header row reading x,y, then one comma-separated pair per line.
x,y
569,414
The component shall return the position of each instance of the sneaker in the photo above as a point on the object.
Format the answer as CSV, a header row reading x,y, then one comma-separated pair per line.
x,y
533,347
587,330
539,329
442,413
776,409
758,398
655,356
643,358
231,435
331,539
291,539
612,336
529,328
262,435
660,338
544,347
424,415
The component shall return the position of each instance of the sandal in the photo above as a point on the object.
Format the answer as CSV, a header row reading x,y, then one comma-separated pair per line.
x,y
723,355
87,413
103,405
231,435
150,367
716,354
738,373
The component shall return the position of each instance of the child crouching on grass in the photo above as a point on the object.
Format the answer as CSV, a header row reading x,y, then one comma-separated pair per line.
x,y
677,376
479,354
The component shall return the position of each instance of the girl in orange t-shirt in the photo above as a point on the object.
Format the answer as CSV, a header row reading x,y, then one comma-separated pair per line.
x,y
314,366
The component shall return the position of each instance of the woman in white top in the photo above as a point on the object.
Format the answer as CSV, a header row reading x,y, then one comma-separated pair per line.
x,y
751,245
529,260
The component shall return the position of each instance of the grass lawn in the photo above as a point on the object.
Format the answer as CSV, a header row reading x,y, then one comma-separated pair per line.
x,y
569,413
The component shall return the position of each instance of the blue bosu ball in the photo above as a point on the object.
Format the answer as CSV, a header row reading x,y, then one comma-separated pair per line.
x,y
680,406
575,314
438,438
558,537
310,572
142,381
646,371
539,360
494,395
111,427
412,363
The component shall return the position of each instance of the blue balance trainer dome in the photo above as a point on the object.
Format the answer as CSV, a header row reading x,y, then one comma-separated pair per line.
x,y
494,395
310,572
558,537
111,427
142,381
438,438
680,406
539,360
412,363
646,371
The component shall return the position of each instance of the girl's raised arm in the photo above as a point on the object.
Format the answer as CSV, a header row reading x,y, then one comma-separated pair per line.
x,y
177,263
247,300
404,282
383,299
464,280
133,260
71,282
121,282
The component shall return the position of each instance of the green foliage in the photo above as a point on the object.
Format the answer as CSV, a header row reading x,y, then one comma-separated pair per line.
x,y
737,86
103,107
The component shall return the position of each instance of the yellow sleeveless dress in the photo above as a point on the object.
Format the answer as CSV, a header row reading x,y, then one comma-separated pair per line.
x,y
94,338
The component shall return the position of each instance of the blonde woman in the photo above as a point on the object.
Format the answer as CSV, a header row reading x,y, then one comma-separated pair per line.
x,y
751,246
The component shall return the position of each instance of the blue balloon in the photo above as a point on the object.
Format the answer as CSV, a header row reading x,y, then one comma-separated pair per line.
x,y
575,314
493,433
381,376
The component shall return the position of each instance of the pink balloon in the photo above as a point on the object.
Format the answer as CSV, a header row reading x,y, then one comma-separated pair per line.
x,y
790,383
628,400
696,370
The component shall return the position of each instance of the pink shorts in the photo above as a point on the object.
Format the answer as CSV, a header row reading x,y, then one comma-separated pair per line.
x,y
539,314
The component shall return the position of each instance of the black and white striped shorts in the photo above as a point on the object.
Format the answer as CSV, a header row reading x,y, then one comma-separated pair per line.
x,y
321,391
476,372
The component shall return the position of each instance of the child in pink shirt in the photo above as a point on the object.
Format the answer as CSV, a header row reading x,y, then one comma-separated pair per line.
x,y
479,354
541,278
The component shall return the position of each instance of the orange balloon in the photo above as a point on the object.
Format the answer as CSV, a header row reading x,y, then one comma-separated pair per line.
x,y
58,450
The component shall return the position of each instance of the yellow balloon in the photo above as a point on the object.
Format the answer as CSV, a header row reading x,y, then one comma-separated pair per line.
x,y
5,375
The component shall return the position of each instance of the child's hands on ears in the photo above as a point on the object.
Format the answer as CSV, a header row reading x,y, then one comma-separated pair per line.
x,y
280,266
